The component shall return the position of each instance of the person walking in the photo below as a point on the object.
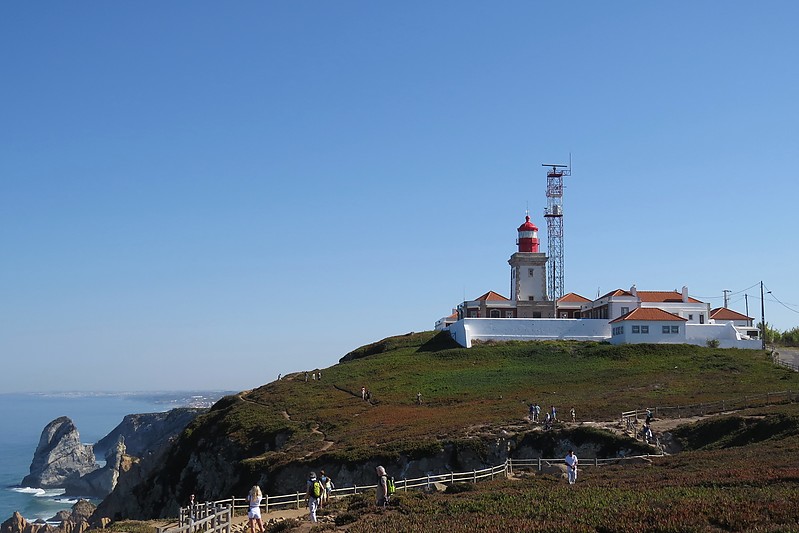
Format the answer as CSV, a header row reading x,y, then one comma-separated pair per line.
x,y
327,488
192,510
363,393
574,415
314,493
571,465
554,414
254,509
381,496
537,413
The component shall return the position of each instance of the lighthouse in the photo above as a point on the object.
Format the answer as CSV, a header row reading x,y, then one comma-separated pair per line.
x,y
528,237
528,275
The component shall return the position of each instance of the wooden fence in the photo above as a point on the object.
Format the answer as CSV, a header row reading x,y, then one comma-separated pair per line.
x,y
208,517
297,500
701,409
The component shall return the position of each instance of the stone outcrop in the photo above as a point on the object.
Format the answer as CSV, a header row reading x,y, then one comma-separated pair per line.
x,y
211,467
74,521
145,433
60,456
101,482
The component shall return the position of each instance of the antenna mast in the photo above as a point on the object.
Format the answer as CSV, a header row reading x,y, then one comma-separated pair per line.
x,y
554,215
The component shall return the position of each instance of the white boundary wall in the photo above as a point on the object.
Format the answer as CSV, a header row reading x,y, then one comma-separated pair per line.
x,y
467,330
726,334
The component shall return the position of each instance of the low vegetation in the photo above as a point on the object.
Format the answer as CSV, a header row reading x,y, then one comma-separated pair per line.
x,y
487,385
751,487
738,472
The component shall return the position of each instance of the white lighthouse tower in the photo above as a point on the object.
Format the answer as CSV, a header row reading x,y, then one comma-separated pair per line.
x,y
528,275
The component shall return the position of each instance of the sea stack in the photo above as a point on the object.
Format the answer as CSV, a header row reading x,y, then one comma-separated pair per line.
x,y
60,456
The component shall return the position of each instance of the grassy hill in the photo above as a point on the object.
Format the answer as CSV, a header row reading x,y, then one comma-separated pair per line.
x,y
488,385
278,431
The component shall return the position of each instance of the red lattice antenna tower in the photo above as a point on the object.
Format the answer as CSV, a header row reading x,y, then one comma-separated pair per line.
x,y
554,215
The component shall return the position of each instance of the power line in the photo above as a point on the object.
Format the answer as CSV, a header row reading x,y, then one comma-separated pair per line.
x,y
786,306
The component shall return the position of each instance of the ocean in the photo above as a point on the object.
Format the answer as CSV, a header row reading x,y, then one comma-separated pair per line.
x,y
24,416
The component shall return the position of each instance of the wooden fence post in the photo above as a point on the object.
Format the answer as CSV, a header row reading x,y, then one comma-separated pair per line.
x,y
539,464
298,499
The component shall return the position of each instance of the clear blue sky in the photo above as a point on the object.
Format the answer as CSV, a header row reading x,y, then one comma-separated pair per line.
x,y
205,194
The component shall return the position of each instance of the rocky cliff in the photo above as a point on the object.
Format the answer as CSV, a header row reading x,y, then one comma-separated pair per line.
x,y
60,456
61,460
145,433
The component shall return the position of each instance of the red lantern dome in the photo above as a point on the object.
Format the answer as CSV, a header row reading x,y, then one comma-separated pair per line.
x,y
528,236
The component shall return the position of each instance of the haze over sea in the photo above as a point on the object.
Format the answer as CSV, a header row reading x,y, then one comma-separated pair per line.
x,y
95,414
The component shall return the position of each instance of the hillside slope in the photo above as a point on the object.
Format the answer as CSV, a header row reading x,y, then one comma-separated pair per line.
x,y
473,405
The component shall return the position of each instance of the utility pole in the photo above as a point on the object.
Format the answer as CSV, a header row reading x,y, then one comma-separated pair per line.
x,y
725,291
746,299
762,316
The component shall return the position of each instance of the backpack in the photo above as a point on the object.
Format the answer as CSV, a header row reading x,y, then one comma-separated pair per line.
x,y
316,489
390,485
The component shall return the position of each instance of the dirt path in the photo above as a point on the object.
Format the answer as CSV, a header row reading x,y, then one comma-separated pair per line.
x,y
788,355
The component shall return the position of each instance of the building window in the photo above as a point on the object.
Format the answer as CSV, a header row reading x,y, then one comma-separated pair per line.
x,y
472,313
531,298
636,329
625,310
495,313
701,319
508,314
690,317
645,330
666,330
618,330
530,272
675,329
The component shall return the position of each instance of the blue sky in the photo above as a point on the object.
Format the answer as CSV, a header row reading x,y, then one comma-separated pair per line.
x,y
204,195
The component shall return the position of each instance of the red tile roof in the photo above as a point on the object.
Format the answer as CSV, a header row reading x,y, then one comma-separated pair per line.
x,y
722,313
649,314
617,292
491,295
664,297
573,297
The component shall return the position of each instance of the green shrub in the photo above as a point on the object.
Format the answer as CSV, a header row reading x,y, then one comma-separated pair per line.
x,y
457,488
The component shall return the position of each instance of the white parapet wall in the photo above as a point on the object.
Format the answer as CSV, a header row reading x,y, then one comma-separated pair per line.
x,y
725,333
467,330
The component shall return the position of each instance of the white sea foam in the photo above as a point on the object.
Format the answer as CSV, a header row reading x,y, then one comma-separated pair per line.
x,y
49,493
29,490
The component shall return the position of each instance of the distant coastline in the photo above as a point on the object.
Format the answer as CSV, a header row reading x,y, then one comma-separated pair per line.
x,y
95,414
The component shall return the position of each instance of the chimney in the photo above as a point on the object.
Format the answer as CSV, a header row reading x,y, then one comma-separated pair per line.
x,y
684,294
634,291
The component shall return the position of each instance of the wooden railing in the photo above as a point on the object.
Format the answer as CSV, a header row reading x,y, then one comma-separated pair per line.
x,y
208,517
701,409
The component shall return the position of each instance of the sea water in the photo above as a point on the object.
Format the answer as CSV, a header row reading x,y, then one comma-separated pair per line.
x,y
24,416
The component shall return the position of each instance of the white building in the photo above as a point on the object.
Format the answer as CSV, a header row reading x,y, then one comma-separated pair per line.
x,y
620,316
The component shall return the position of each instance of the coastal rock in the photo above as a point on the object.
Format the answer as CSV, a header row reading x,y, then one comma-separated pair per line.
x,y
18,524
15,524
147,432
60,456
100,483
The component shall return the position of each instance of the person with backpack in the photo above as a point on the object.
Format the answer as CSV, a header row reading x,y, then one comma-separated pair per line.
x,y
381,499
314,492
